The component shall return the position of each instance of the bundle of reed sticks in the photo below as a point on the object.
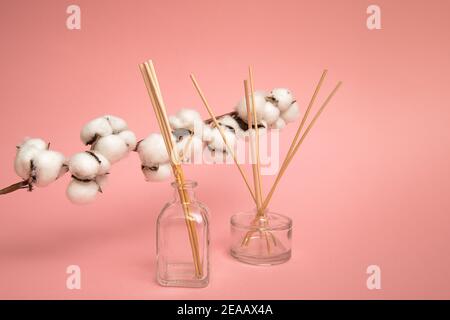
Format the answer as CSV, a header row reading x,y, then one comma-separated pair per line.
x,y
154,92
257,193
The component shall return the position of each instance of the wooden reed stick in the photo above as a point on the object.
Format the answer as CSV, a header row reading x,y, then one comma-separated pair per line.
x,y
261,211
150,69
305,116
153,89
178,172
300,127
216,123
176,168
291,155
255,121
252,147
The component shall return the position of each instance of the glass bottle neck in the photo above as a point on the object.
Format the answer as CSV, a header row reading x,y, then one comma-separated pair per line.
x,y
184,192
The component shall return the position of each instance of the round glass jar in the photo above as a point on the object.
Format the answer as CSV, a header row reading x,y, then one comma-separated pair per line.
x,y
261,240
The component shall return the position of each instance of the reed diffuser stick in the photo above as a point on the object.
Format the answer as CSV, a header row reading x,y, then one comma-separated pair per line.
x,y
152,84
216,123
262,211
300,127
255,121
175,156
256,184
252,121
305,116
176,167
299,143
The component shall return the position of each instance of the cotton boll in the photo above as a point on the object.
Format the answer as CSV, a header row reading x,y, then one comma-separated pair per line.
x,y
291,114
112,147
229,123
283,98
84,165
47,164
279,124
153,150
22,162
271,113
82,192
163,172
175,122
35,143
260,101
217,142
99,127
25,153
130,139
188,117
117,124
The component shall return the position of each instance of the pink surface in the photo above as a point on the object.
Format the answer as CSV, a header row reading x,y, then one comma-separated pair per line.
x,y
370,185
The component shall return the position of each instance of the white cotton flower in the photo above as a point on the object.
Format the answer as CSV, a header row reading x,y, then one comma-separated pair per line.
x,y
82,192
23,160
35,143
279,124
218,144
153,150
130,139
26,151
229,123
175,122
83,165
159,173
33,160
271,113
186,118
112,147
292,113
87,165
48,165
117,124
260,101
99,127
283,98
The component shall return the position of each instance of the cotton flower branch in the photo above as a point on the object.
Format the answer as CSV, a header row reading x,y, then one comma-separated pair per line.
x,y
110,140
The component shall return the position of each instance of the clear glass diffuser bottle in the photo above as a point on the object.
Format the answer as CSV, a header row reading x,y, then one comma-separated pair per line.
x,y
183,240
261,239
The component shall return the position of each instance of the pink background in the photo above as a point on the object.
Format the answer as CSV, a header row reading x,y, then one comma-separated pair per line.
x,y
370,185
